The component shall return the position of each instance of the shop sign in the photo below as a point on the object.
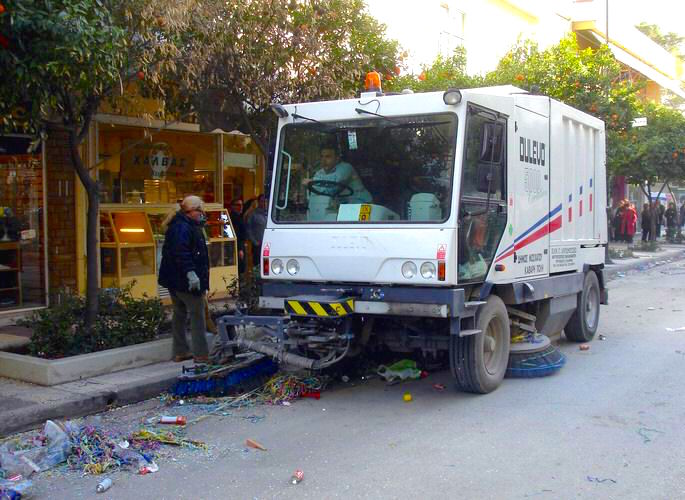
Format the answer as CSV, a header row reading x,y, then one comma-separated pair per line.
x,y
160,160
239,160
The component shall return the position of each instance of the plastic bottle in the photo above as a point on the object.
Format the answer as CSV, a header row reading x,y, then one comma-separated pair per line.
x,y
297,476
173,420
103,485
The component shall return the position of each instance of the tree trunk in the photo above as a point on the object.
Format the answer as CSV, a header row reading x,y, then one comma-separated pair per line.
x,y
92,263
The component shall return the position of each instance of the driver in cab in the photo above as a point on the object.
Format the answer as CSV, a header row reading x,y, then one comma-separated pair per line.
x,y
334,183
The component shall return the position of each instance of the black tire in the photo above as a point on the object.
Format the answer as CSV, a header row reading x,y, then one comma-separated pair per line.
x,y
475,368
583,324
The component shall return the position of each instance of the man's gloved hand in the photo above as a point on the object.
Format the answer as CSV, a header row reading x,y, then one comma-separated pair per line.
x,y
193,281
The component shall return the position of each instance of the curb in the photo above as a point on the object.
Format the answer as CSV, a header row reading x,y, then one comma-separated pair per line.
x,y
612,270
30,417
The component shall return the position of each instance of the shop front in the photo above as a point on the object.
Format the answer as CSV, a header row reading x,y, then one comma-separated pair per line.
x,y
23,283
144,170
144,173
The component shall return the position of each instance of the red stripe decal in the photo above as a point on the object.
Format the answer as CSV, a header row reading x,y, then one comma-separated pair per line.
x,y
570,214
590,202
555,224
550,227
580,210
533,237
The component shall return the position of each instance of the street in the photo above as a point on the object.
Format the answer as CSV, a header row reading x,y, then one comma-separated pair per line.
x,y
608,425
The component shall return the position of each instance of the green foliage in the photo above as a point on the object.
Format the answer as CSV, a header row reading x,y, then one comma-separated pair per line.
x,y
646,246
245,293
265,51
443,73
60,55
654,153
58,331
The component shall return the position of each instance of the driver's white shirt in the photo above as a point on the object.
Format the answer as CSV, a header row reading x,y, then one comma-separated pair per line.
x,y
343,173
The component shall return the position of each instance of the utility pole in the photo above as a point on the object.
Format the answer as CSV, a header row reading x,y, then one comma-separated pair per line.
x,y
607,22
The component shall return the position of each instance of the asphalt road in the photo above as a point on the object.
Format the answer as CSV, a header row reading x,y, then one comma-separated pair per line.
x,y
609,425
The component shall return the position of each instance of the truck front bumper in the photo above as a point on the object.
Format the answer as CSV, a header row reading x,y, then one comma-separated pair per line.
x,y
340,299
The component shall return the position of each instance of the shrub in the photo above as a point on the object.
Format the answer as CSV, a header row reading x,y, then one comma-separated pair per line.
x,y
122,320
648,246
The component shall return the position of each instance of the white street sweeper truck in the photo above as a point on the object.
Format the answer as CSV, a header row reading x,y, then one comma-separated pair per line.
x,y
454,225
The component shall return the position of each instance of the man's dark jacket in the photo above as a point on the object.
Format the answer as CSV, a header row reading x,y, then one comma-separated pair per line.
x,y
184,250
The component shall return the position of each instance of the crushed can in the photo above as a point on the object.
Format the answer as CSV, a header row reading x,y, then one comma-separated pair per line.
x,y
297,477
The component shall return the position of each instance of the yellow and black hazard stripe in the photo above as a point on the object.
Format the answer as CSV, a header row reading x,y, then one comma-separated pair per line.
x,y
319,309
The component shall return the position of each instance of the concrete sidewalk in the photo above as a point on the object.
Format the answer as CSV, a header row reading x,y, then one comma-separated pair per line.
x,y
24,406
667,252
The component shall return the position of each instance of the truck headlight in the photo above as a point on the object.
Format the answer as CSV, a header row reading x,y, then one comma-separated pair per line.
x,y
277,266
428,270
409,269
293,267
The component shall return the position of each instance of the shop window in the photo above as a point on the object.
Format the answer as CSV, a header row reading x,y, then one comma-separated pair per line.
x,y
22,244
160,169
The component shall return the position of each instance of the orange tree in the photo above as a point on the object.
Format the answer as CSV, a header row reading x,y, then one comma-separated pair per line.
x,y
61,59
441,74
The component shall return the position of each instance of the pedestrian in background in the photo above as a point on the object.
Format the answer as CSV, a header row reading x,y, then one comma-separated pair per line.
x,y
236,214
628,222
255,224
659,210
617,221
184,271
646,222
671,215
682,214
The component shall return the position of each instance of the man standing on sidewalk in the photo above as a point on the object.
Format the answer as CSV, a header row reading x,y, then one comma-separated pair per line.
x,y
184,271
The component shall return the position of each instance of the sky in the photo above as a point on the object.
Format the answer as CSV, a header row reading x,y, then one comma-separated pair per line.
x,y
669,15
408,23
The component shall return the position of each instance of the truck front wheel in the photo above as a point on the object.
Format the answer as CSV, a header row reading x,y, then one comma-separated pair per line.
x,y
583,324
478,362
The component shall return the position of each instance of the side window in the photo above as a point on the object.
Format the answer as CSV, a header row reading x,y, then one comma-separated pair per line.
x,y
482,211
484,165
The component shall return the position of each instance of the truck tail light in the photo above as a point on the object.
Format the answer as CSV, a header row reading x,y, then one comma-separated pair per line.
x,y
265,266
441,270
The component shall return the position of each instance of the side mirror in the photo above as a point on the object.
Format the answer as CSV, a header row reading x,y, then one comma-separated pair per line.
x,y
492,142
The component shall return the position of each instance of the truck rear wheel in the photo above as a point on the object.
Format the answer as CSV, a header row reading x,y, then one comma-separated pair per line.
x,y
478,362
583,324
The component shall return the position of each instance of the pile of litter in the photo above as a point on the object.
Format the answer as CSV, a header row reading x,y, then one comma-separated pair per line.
x,y
86,448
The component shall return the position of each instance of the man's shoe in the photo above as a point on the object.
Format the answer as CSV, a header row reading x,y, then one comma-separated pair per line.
x,y
182,357
201,360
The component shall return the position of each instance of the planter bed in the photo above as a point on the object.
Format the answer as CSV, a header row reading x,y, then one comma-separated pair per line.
x,y
58,371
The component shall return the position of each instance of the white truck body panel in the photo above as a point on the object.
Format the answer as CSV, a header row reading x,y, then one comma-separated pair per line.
x,y
556,199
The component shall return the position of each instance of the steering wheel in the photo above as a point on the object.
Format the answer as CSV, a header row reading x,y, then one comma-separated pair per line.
x,y
339,189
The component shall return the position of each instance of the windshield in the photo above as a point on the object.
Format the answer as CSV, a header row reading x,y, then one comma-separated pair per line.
x,y
378,170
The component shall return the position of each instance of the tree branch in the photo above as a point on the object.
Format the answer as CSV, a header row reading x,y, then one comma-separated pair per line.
x,y
248,123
